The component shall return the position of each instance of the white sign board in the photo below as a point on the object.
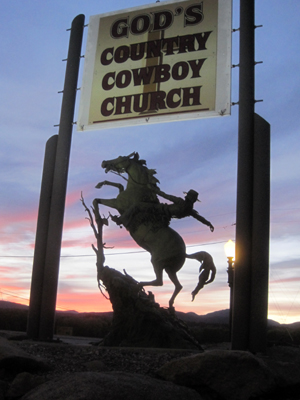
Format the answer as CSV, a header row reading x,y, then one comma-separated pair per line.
x,y
157,63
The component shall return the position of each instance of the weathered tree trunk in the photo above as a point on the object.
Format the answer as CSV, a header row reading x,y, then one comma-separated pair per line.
x,y
138,321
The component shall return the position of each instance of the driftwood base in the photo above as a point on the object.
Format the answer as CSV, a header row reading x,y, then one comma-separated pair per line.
x,y
139,321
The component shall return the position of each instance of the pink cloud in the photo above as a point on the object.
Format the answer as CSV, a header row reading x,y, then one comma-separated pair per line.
x,y
14,217
76,243
5,270
6,283
70,277
72,197
9,273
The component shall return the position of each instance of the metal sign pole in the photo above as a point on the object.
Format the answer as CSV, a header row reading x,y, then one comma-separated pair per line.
x,y
244,213
250,302
261,237
36,290
60,182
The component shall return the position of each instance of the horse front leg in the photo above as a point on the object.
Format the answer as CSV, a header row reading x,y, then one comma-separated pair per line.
x,y
113,203
108,183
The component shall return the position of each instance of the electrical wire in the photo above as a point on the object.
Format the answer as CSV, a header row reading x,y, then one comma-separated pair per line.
x,y
117,254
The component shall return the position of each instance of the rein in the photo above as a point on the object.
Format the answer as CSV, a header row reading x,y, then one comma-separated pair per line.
x,y
130,176
119,174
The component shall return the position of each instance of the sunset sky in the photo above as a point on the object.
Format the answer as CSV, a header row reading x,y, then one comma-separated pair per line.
x,y
199,154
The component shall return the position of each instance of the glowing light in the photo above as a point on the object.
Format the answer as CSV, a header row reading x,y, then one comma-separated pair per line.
x,y
229,248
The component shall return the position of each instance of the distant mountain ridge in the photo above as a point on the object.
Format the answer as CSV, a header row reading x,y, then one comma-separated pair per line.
x,y
217,317
10,304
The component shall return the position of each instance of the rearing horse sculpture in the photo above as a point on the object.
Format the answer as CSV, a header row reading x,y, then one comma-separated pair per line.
x,y
146,219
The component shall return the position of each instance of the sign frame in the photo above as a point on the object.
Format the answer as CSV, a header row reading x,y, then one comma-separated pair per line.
x,y
222,99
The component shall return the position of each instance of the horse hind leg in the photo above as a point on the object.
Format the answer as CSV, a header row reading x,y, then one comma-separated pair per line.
x,y
157,282
178,287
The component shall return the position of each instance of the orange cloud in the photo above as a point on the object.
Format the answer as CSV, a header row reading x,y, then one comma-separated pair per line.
x,y
83,302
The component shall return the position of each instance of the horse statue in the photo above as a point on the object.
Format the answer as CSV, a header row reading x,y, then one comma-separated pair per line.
x,y
146,219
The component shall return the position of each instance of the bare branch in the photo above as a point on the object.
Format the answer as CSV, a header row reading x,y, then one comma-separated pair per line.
x,y
91,220
100,288
97,227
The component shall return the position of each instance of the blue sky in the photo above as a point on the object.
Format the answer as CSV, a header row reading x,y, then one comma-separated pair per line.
x,y
199,154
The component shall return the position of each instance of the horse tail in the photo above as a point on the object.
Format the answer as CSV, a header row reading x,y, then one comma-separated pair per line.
x,y
207,263
199,256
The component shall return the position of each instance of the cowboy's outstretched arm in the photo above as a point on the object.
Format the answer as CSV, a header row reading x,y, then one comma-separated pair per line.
x,y
204,221
170,197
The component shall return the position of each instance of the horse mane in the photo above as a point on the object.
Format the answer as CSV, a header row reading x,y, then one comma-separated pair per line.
x,y
136,158
152,181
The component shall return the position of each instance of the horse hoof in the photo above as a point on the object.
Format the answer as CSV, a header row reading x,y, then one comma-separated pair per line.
x,y
172,309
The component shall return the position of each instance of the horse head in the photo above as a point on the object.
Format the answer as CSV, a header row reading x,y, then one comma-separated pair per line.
x,y
121,163
136,169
